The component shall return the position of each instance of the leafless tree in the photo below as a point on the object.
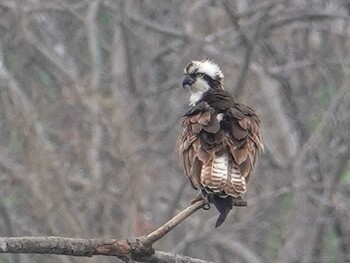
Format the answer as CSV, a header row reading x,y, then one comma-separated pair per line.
x,y
90,109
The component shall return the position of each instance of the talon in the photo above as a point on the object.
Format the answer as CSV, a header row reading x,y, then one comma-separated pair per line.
x,y
206,206
239,201
199,197
202,196
196,199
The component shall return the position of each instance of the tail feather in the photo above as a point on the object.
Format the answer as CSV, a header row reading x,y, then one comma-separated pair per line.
x,y
223,205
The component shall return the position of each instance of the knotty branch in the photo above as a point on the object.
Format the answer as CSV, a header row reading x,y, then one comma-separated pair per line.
x,y
139,249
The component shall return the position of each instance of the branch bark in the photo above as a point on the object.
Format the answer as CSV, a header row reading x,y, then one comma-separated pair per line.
x,y
139,249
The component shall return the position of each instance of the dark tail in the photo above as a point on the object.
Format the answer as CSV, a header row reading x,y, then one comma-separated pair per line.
x,y
223,205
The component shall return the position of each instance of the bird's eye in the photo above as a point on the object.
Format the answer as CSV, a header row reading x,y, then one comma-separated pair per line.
x,y
201,75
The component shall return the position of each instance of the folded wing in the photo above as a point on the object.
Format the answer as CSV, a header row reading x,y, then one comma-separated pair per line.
x,y
219,148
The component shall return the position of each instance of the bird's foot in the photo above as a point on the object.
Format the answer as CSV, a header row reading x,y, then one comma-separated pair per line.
x,y
202,197
239,201
199,197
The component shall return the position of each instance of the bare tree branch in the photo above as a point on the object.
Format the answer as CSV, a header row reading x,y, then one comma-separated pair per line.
x,y
239,249
302,16
324,139
139,249
163,230
89,115
249,48
248,43
93,43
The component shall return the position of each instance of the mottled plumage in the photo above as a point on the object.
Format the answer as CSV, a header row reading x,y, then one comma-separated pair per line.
x,y
220,138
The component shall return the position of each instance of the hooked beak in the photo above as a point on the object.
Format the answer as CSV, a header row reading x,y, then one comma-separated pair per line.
x,y
188,81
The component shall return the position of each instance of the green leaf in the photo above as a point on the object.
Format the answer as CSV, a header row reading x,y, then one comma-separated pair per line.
x,y
16,145
314,122
345,177
104,17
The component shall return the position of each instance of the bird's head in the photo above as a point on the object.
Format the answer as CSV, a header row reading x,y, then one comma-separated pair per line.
x,y
201,76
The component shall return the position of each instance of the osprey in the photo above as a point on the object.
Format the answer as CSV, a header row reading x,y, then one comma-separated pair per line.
x,y
219,141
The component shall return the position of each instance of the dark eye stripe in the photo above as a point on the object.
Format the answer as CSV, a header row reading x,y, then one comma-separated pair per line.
x,y
207,78
203,76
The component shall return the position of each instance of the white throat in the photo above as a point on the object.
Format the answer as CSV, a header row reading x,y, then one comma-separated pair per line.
x,y
195,97
197,90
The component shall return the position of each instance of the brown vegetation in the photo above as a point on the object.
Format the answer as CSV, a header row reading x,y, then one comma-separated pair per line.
x,y
90,109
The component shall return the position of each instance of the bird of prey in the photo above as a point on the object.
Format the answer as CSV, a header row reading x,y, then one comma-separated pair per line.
x,y
219,141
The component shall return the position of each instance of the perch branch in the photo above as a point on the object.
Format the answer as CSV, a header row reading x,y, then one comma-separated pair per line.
x,y
168,226
139,249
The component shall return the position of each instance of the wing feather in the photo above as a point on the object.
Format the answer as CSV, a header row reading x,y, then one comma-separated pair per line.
x,y
205,118
218,159
195,118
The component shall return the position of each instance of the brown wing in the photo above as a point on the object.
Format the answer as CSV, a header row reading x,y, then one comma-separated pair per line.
x,y
219,148
245,144
189,146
